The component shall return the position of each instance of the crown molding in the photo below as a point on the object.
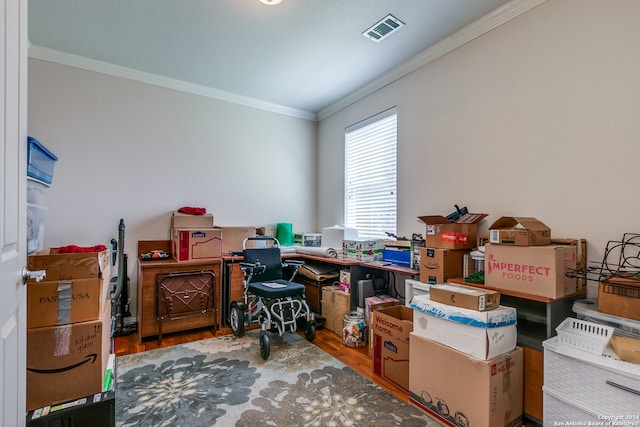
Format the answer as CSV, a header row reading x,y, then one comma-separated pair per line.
x,y
77,61
472,31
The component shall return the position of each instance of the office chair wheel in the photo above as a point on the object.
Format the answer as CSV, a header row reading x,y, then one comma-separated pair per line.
x,y
310,331
265,345
236,318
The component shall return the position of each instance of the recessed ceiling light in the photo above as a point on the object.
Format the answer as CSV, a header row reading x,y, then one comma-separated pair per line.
x,y
270,2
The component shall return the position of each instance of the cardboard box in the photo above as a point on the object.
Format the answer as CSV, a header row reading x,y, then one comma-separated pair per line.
x,y
465,296
391,327
67,362
345,281
65,266
335,303
620,296
233,238
519,231
626,348
532,270
482,334
66,301
440,265
374,303
444,234
183,220
581,258
397,256
459,390
196,244
363,249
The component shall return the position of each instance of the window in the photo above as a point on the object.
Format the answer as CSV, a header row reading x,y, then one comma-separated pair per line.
x,y
370,175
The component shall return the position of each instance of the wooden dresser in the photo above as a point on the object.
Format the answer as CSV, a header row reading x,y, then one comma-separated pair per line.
x,y
148,272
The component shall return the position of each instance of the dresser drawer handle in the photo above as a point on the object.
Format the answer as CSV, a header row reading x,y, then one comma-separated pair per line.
x,y
625,388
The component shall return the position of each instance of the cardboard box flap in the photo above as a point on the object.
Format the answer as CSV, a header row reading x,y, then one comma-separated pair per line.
x,y
528,223
434,219
470,218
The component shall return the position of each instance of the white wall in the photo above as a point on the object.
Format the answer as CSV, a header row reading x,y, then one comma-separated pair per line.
x,y
138,152
538,117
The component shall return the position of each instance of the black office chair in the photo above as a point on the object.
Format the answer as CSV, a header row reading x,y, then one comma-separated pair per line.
x,y
277,304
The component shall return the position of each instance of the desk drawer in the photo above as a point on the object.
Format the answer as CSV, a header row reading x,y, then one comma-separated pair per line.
x,y
594,381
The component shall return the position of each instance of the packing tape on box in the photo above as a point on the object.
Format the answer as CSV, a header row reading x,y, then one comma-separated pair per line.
x,y
64,302
63,338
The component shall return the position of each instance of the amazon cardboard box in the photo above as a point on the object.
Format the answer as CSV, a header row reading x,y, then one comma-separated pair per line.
x,y
460,390
439,265
391,328
463,296
196,244
533,270
67,362
519,231
54,303
63,266
444,234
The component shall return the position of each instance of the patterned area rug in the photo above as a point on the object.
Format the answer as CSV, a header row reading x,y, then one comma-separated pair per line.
x,y
224,382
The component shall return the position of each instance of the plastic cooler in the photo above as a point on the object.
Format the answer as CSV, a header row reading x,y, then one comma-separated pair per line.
x,y
40,161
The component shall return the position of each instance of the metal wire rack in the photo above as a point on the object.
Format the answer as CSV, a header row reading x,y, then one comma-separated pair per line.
x,y
621,259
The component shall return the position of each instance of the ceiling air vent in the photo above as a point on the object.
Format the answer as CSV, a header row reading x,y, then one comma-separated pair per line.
x,y
383,28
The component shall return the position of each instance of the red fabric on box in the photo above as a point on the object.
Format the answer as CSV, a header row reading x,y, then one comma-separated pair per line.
x,y
73,249
192,210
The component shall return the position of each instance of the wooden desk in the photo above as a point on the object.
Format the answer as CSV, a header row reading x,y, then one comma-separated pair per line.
x,y
147,296
232,289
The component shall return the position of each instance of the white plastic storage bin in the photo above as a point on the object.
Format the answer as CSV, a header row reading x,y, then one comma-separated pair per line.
x,y
559,410
36,217
36,191
599,382
588,310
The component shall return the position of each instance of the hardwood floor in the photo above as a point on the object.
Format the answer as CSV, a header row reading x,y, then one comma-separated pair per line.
x,y
356,358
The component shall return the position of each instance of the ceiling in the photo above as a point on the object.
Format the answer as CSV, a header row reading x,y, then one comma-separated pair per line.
x,y
301,55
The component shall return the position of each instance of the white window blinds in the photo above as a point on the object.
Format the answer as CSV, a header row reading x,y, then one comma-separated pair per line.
x,y
370,175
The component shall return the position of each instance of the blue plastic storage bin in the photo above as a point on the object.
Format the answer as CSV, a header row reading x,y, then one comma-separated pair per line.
x,y
40,161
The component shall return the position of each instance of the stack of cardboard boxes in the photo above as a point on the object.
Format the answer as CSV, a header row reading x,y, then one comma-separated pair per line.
x,y
464,366
68,326
446,245
520,257
195,238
